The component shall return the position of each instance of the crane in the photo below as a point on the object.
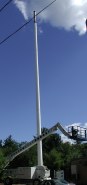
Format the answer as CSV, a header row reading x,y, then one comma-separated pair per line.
x,y
33,175
78,133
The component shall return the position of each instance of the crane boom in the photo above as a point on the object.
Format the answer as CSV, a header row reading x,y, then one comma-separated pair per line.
x,y
28,145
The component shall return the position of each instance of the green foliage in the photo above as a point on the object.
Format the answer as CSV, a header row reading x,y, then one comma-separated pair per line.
x,y
28,158
53,159
2,159
52,141
9,146
56,154
70,152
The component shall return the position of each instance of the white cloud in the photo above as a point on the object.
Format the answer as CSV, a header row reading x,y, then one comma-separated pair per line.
x,y
67,14
22,7
65,139
83,125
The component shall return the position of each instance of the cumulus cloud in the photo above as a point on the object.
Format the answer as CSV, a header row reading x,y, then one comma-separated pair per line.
x,y
65,139
67,14
82,125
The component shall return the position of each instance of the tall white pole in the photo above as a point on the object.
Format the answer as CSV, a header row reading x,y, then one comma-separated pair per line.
x,y
38,109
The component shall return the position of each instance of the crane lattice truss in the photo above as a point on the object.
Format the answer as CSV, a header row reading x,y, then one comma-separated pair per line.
x,y
78,134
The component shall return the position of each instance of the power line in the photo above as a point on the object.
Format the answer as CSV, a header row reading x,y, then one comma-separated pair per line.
x,y
6,38
6,5
46,7
15,31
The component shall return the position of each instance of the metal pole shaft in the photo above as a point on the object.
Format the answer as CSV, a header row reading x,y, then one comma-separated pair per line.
x,y
38,109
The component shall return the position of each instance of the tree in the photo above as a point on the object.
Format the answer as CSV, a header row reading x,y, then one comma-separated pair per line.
x,y
54,160
0,143
52,141
2,158
28,158
10,146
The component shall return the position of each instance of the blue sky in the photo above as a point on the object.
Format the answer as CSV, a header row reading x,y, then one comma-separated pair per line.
x,y
63,72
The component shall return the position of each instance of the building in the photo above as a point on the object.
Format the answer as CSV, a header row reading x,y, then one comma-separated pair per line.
x,y
79,171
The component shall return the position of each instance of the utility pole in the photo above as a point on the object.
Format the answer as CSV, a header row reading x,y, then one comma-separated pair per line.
x,y
38,109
